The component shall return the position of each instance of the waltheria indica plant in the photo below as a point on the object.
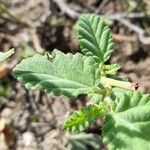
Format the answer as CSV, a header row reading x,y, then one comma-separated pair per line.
x,y
125,111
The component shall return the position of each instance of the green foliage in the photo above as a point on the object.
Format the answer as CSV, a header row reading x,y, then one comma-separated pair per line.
x,y
5,55
94,37
84,141
126,113
83,118
69,74
111,69
128,126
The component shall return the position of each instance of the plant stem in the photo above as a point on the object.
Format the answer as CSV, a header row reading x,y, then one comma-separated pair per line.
x,y
110,82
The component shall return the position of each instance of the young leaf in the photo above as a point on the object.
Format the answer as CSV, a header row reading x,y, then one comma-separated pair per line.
x,y
111,69
129,126
6,55
84,117
65,74
94,37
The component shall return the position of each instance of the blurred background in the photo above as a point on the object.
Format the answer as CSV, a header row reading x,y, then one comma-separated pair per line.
x,y
33,120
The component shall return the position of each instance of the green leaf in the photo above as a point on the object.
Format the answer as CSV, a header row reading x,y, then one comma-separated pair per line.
x,y
65,74
5,55
96,94
84,141
94,37
84,117
95,98
111,69
128,127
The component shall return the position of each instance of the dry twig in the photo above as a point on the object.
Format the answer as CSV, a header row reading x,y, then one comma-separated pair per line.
x,y
36,41
101,6
122,19
119,37
66,9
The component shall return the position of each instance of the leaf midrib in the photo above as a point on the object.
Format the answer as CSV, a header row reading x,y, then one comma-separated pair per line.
x,y
100,55
46,74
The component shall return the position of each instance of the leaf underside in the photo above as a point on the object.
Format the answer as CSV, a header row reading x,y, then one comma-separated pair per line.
x,y
129,126
94,37
65,74
5,55
83,118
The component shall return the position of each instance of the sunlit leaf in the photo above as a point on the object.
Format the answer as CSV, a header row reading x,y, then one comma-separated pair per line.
x,y
83,118
65,74
128,127
94,37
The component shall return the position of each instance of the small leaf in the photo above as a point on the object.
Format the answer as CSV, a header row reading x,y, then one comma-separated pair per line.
x,y
5,55
111,69
61,73
94,37
84,117
128,127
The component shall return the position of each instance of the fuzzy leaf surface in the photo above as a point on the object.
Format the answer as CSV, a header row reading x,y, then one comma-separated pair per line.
x,y
5,55
83,118
94,37
65,74
128,127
